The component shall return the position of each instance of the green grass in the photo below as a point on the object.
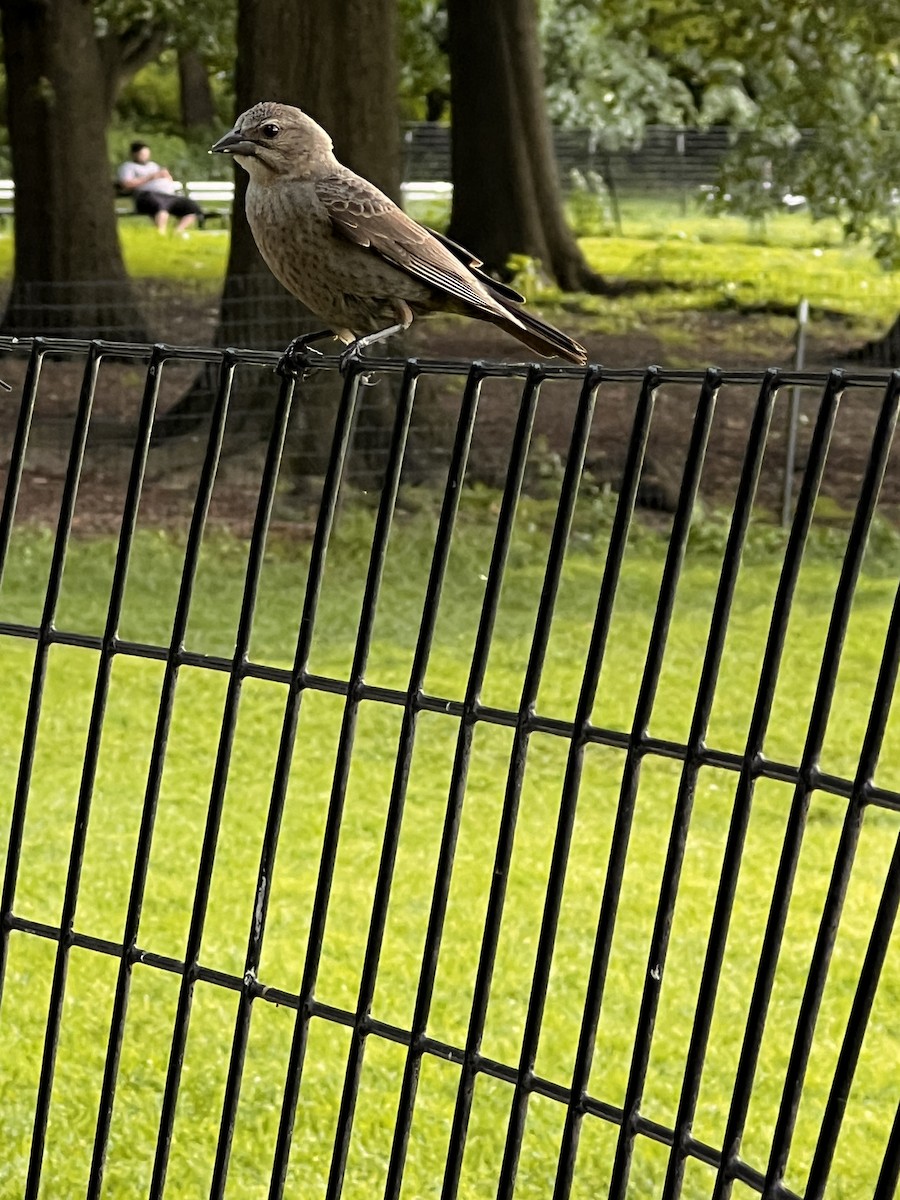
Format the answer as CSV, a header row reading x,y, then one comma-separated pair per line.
x,y
118,793
659,217
715,261
710,262
198,261
742,276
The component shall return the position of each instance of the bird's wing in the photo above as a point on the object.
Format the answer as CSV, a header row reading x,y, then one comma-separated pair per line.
x,y
468,259
368,218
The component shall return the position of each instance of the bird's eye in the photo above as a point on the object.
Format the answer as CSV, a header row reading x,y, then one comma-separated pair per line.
x,y
271,130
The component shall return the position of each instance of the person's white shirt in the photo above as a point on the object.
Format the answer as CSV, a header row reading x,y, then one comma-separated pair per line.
x,y
131,172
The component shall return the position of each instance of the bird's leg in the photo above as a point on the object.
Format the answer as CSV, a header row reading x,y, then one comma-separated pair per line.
x,y
353,350
295,361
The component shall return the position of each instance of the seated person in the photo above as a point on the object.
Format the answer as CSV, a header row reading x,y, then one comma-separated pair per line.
x,y
155,192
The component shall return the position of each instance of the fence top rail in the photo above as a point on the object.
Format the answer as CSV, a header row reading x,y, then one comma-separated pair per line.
x,y
76,347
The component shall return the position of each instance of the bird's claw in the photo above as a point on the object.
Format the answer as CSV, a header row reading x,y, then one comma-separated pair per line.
x,y
346,361
301,360
295,362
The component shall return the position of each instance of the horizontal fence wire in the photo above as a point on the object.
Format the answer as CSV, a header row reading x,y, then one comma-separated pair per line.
x,y
625,1105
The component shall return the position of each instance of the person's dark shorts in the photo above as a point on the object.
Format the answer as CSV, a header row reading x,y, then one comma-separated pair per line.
x,y
150,203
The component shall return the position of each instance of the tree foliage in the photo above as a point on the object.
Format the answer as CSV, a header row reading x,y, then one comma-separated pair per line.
x,y
206,26
502,137
422,52
770,70
833,68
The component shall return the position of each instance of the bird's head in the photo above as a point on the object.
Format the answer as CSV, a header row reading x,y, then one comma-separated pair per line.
x,y
270,140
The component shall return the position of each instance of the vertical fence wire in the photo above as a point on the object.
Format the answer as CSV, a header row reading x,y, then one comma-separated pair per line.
x,y
70,491
262,892
768,959
882,927
13,483
631,477
649,680
175,649
16,464
443,535
581,429
665,911
846,851
453,814
628,791
396,803
889,1175
35,696
91,755
341,774
505,520
745,787
391,834
221,769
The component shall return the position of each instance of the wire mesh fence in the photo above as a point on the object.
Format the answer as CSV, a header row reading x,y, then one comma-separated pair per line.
x,y
453,839
670,159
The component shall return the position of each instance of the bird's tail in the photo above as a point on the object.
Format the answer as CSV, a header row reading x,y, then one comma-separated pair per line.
x,y
535,333
538,335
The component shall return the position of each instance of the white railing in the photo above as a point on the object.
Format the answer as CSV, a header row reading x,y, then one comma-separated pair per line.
x,y
216,196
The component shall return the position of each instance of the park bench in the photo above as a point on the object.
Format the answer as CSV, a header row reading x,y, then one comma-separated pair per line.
x,y
426,190
7,199
215,197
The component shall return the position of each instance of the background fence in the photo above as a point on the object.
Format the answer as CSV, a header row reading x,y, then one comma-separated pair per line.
x,y
574,863
670,159
679,165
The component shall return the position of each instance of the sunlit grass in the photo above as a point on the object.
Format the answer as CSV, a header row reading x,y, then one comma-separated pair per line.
x,y
197,261
741,276
709,261
652,217
713,261
118,795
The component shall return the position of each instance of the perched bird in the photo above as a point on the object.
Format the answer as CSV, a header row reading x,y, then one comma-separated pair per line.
x,y
345,249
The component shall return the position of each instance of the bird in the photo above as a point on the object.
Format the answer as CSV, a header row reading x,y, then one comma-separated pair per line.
x,y
351,255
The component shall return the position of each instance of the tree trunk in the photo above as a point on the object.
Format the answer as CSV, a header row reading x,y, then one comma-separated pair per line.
x,y
506,194
69,279
198,110
338,63
883,352
349,83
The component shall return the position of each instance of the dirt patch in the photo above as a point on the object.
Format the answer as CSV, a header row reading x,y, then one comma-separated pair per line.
x,y
729,340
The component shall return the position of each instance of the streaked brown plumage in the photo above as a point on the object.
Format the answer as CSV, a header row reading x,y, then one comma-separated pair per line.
x,y
349,253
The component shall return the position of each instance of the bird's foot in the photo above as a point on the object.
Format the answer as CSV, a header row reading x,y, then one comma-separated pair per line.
x,y
299,359
348,358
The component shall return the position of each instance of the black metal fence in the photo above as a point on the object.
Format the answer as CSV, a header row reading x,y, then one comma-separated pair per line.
x,y
583,1053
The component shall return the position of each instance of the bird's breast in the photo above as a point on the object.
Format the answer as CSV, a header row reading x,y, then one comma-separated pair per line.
x,y
349,286
292,232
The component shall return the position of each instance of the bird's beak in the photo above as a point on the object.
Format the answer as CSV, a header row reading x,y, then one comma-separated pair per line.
x,y
233,143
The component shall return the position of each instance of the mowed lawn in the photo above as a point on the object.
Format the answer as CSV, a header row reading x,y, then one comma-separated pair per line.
x,y
115,816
